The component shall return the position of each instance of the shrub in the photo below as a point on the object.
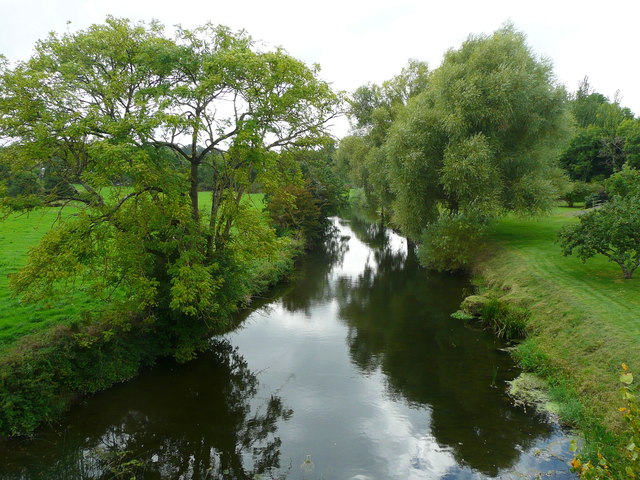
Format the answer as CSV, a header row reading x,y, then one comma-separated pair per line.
x,y
449,243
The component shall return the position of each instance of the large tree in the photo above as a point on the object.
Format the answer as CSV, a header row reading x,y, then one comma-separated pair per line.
x,y
476,142
125,104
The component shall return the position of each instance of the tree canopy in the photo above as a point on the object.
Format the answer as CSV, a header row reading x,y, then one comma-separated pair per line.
x,y
612,230
126,116
476,139
606,137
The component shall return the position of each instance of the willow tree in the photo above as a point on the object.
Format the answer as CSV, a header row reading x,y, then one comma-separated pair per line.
x,y
373,110
126,116
478,141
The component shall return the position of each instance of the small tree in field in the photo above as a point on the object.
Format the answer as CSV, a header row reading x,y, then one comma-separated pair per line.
x,y
612,230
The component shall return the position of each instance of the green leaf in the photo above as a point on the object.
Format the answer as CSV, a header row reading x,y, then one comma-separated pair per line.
x,y
626,378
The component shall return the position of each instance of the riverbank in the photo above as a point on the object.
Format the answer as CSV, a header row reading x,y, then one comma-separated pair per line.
x,y
51,355
583,320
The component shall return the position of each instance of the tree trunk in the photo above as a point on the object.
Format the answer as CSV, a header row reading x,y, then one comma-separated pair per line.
x,y
193,192
627,272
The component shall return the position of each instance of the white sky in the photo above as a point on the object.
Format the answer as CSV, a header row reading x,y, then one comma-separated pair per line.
x,y
357,42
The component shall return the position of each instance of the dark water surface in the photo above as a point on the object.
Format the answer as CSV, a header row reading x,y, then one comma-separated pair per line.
x,y
355,371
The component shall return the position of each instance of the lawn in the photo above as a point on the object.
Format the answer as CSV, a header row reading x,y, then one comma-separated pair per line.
x,y
585,317
17,234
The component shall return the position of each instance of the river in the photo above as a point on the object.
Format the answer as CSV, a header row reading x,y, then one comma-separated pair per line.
x,y
354,370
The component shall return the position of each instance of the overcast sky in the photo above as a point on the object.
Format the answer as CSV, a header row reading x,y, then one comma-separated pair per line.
x,y
357,42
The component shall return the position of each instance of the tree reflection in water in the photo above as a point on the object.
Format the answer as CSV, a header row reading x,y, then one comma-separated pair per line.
x,y
398,321
162,429
312,285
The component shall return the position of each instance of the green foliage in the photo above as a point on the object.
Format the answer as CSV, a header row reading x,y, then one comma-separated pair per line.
x,y
468,176
302,188
612,230
505,320
624,183
450,243
604,468
114,104
586,104
578,192
607,137
295,209
23,184
36,383
586,158
373,111
318,168
41,374
477,141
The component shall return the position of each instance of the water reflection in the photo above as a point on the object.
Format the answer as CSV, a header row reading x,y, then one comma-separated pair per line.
x,y
311,284
361,346
398,318
196,421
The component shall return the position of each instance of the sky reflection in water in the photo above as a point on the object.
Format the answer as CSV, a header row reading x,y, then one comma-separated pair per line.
x,y
353,371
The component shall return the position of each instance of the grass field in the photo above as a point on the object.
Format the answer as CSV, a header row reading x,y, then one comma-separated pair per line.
x,y
585,317
17,234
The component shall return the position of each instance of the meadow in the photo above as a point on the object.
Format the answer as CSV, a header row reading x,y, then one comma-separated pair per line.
x,y
585,319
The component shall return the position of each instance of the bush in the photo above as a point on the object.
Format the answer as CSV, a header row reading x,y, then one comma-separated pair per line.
x,y
54,184
624,183
596,199
449,243
578,192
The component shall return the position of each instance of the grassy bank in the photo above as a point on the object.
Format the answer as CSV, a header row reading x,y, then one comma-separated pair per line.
x,y
584,318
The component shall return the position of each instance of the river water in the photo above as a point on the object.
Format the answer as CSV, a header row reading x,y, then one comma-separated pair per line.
x,y
353,371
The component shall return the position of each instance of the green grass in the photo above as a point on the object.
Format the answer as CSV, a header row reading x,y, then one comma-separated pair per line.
x,y
585,318
17,234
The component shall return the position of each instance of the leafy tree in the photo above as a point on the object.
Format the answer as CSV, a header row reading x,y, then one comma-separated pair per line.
x,y
612,230
629,129
478,140
586,103
123,102
607,137
449,243
303,189
624,183
373,111
583,158
578,192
